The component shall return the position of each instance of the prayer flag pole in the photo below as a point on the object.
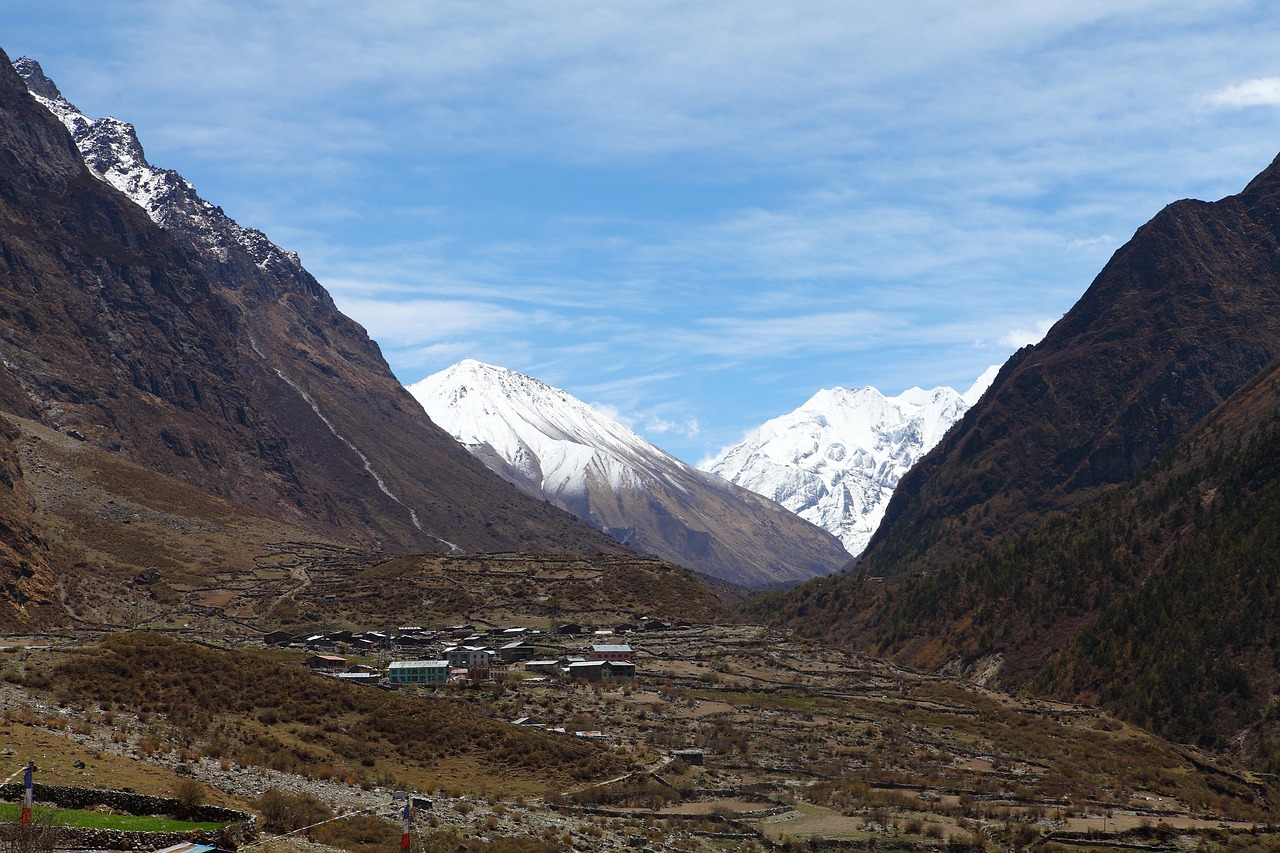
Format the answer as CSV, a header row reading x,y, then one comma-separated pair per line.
x,y
28,785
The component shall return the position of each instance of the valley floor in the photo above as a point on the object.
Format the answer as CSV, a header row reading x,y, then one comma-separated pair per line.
x,y
733,738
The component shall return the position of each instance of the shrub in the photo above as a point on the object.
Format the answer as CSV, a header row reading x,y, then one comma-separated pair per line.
x,y
283,812
190,795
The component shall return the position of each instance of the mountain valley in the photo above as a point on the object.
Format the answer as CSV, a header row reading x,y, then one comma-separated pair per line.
x,y
1105,534
1065,634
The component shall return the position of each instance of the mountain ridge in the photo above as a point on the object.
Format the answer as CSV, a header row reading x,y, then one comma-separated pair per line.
x,y
1182,315
555,447
1101,525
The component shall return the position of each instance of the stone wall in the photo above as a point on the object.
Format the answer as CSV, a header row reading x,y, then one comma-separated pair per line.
x,y
240,825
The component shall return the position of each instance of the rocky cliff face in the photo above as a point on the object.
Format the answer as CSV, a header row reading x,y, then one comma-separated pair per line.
x,y
159,329
27,586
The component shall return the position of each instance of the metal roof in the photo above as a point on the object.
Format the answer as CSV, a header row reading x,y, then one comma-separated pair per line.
x,y
417,664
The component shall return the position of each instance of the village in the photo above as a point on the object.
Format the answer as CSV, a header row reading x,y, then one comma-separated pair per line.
x,y
462,653
671,727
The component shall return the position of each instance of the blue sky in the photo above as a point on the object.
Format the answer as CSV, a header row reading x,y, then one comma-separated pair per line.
x,y
691,215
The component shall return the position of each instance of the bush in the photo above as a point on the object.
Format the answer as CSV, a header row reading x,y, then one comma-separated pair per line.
x,y
282,812
190,795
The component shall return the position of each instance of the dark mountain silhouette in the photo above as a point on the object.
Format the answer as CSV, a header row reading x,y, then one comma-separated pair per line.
x,y
1104,524
1185,313
1161,601
1184,640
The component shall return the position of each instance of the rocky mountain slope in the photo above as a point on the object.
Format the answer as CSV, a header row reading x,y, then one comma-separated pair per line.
x,y
123,546
1183,315
159,329
27,586
1158,602
1184,621
556,447
836,460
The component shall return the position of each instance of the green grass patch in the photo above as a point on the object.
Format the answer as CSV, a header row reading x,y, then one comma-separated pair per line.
x,y
11,812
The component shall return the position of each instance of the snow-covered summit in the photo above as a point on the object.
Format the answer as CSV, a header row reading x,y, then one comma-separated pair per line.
x,y
552,445
836,460
111,150
556,443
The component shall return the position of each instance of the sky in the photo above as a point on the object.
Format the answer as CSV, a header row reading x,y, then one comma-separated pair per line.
x,y
692,216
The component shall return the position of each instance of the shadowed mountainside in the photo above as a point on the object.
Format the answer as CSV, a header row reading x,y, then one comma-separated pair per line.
x,y
1103,525
1183,315
240,377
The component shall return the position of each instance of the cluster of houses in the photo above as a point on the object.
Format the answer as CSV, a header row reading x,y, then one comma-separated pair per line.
x,y
419,656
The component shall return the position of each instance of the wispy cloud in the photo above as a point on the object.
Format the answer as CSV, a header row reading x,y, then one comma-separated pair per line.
x,y
696,214
1262,92
1020,337
743,337
689,428
1102,241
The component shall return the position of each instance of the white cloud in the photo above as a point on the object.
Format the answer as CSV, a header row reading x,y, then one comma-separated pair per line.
x,y
703,197
775,337
613,413
688,428
1261,92
1021,337
1102,241
420,322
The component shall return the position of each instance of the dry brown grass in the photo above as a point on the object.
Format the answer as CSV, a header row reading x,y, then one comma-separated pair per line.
x,y
283,717
56,754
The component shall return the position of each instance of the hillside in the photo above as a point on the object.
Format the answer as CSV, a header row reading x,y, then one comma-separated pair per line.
x,y
201,351
131,547
1035,564
555,447
26,577
1187,647
1182,315
1158,602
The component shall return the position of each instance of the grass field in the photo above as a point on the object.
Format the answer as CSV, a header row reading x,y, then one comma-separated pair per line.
x,y
10,812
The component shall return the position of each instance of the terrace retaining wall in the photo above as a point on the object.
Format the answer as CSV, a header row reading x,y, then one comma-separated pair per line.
x,y
240,825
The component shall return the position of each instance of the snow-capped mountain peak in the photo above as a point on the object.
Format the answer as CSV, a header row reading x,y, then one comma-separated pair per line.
x,y
836,460
111,149
980,386
554,446
551,438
